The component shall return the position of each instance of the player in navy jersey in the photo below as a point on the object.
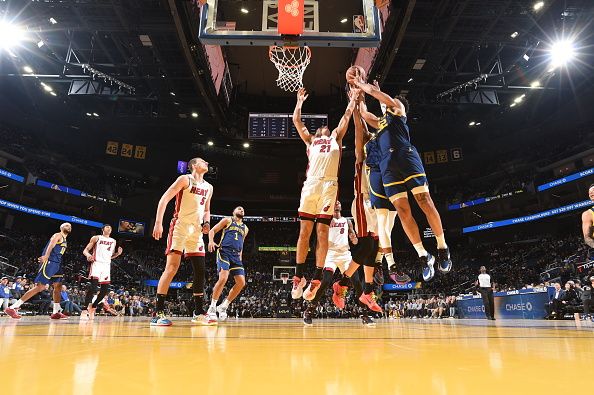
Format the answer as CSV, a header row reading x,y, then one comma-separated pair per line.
x,y
50,271
402,170
229,260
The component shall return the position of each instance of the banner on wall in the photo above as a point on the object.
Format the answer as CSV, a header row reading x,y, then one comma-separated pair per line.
x,y
519,304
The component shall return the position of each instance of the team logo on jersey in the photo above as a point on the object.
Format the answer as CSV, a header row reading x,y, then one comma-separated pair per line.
x,y
200,248
326,208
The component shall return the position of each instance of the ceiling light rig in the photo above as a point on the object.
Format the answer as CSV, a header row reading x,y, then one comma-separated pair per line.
x,y
96,74
472,84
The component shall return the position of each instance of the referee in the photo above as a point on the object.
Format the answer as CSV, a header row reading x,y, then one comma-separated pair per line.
x,y
486,291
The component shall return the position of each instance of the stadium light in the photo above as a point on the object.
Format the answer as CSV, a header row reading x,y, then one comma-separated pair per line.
x,y
561,53
514,34
246,145
28,70
344,20
172,93
210,143
410,80
10,35
53,21
538,5
519,99
472,123
245,11
40,44
535,84
478,124
53,93
95,114
513,104
194,115
47,88
89,114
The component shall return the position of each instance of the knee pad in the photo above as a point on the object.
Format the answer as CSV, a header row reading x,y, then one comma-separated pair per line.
x,y
198,267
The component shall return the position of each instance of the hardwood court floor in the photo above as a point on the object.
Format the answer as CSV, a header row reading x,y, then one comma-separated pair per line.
x,y
338,357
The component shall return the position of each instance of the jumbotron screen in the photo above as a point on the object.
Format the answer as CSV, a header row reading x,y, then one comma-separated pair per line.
x,y
131,228
280,126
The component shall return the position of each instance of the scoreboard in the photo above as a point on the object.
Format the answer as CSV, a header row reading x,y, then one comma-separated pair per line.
x,y
280,126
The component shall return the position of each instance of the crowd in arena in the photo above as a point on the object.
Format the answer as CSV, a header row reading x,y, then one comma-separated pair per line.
x,y
528,262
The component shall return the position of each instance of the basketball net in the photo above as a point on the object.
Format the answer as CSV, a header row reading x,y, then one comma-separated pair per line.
x,y
291,63
285,278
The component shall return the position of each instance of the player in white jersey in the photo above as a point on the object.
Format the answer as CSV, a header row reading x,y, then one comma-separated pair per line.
x,y
338,257
191,219
319,192
366,227
99,253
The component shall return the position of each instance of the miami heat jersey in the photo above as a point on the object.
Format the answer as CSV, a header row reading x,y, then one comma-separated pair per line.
x,y
361,181
324,158
191,201
338,235
104,248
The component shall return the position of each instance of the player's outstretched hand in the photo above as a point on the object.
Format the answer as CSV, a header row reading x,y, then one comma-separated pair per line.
x,y
42,259
354,94
376,84
206,228
211,247
302,95
157,231
90,258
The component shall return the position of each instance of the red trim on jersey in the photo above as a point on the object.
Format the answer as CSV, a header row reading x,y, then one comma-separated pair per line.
x,y
359,206
176,252
324,216
306,215
195,254
170,235
329,269
105,282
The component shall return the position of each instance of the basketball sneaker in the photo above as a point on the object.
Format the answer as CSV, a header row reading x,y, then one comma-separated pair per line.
x,y
308,317
203,319
298,285
58,316
339,295
311,290
427,263
12,313
444,262
161,320
369,301
367,320
222,312
84,315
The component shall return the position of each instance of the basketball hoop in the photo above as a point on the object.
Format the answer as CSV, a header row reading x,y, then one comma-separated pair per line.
x,y
291,62
284,278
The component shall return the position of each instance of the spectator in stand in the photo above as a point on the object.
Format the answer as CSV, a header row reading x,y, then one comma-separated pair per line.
x,y
4,293
555,306
68,306
587,298
17,288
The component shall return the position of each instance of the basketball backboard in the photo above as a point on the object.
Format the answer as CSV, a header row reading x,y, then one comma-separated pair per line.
x,y
327,23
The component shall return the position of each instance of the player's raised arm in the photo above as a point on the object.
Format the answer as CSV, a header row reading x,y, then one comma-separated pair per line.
x,y
374,90
89,248
343,125
368,117
361,136
206,218
299,125
50,246
223,223
587,223
181,183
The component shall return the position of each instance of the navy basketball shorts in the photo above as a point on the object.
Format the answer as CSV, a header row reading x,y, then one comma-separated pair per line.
x,y
377,192
402,170
230,260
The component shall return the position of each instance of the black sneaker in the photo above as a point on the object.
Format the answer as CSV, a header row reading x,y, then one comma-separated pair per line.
x,y
308,317
367,320
427,263
444,262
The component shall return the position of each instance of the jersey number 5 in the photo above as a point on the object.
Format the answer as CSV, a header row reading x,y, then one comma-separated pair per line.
x,y
203,200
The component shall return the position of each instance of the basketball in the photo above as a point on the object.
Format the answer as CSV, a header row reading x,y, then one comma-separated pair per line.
x,y
355,72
